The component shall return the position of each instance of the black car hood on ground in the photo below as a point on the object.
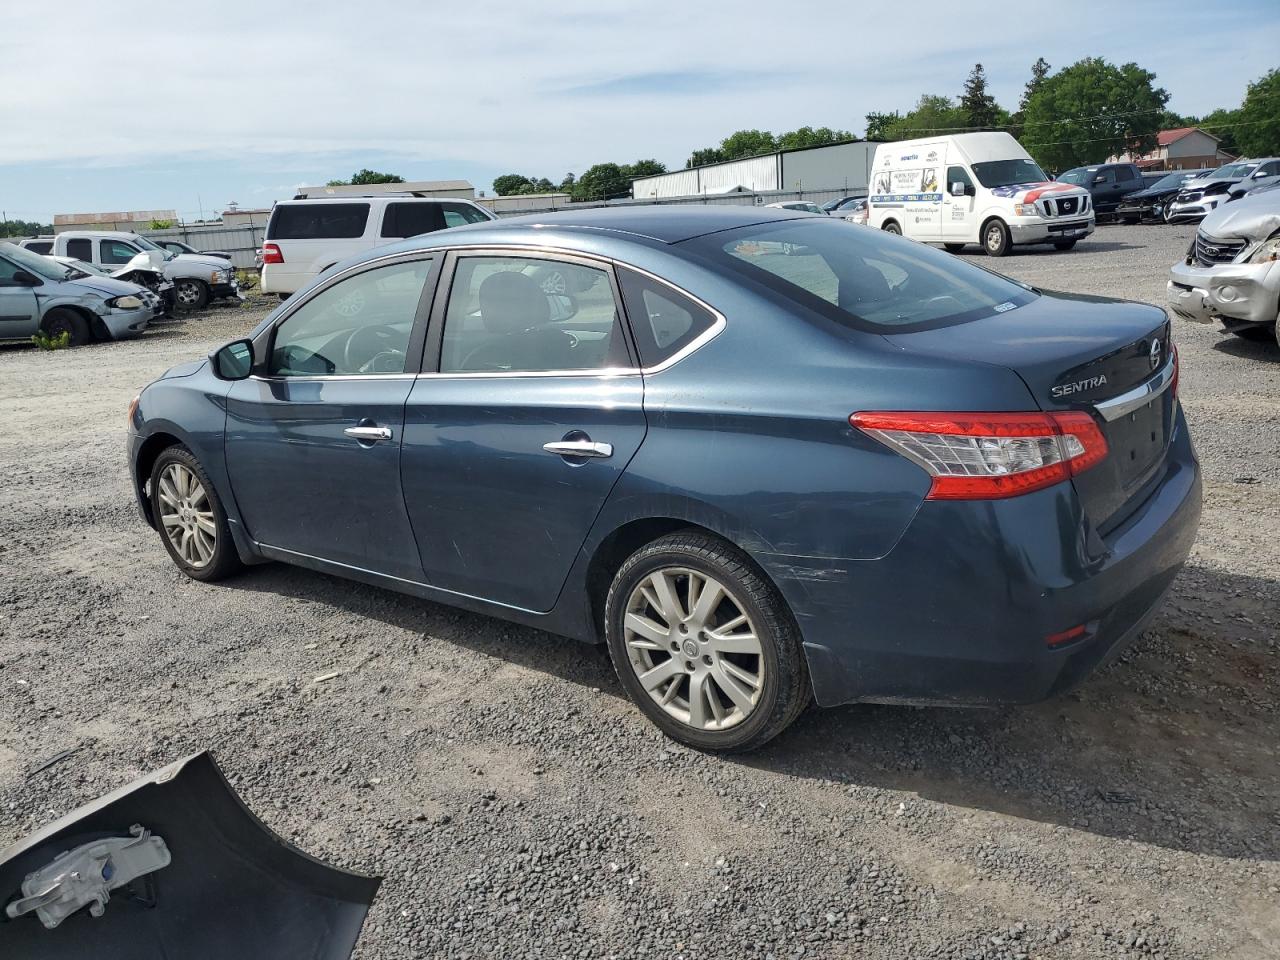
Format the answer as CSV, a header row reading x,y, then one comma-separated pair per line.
x,y
218,883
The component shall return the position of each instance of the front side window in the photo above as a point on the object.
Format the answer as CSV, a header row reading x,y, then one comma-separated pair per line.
x,y
517,314
1125,173
664,322
457,214
80,249
312,221
358,326
860,278
959,175
1008,173
117,251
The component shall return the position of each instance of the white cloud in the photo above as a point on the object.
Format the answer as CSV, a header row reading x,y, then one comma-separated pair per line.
x,y
515,86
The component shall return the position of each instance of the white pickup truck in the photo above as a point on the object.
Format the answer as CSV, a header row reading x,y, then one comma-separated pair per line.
x,y
197,278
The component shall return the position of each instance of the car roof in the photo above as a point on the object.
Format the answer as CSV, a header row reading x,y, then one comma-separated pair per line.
x,y
667,223
389,197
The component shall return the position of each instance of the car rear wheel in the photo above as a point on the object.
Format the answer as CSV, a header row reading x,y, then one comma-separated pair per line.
x,y
995,239
191,294
704,645
190,517
59,320
891,227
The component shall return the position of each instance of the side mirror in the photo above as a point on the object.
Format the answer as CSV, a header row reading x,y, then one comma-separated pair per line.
x,y
957,188
234,361
1099,179
24,279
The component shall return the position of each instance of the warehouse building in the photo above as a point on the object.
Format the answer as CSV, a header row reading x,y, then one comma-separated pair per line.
x,y
843,167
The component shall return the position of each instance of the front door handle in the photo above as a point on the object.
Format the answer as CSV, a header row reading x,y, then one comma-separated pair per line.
x,y
579,448
369,434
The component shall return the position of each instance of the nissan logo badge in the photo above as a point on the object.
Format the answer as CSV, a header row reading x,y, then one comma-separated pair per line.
x,y
1155,354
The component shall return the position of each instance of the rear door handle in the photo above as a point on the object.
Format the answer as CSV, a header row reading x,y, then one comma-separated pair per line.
x,y
369,434
579,448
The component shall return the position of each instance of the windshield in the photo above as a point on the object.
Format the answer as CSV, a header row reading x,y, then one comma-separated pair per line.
x,y
1005,173
1079,175
146,244
860,278
34,263
1169,182
1233,170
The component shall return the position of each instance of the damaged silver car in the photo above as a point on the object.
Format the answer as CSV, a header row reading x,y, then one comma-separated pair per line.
x,y
1232,270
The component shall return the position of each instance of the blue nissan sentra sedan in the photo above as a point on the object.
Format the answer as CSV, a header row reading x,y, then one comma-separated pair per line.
x,y
768,457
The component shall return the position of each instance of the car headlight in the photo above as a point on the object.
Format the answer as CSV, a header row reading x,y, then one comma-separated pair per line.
x,y
1267,252
127,302
1025,210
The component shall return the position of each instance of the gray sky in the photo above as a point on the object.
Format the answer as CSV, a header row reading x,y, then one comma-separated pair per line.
x,y
199,104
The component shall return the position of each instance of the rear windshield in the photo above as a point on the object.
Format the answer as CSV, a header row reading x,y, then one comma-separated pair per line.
x,y
317,221
861,278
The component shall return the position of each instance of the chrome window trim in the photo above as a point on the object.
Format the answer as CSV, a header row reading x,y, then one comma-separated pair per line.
x,y
322,377
1139,396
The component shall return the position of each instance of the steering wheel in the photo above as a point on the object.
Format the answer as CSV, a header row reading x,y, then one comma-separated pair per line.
x,y
368,348
501,348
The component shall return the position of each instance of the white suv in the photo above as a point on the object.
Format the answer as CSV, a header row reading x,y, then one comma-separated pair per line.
x,y
306,237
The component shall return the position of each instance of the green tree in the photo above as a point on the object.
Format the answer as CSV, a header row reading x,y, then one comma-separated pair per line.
x,y
1222,124
979,106
365,177
932,114
879,124
566,185
747,143
645,168
24,228
604,181
811,137
1092,110
510,183
1258,119
700,158
1039,70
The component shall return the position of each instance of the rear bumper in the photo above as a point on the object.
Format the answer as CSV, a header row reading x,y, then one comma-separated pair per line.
x,y
1048,231
1240,291
959,611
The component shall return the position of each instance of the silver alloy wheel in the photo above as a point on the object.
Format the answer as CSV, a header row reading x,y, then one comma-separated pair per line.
x,y
995,237
188,292
186,515
694,649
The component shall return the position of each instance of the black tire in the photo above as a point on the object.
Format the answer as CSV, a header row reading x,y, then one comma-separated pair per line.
x,y
784,691
891,226
191,294
224,560
60,320
954,247
1263,334
995,238
1063,244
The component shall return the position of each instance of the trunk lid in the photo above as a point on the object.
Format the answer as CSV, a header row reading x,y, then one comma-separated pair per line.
x,y
1076,353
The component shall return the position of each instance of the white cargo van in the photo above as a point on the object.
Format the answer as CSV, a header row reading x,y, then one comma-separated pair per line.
x,y
973,188
306,237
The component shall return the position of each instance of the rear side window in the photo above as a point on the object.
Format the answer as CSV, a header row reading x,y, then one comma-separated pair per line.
x,y
664,322
411,219
316,221
864,279
457,214
80,249
42,246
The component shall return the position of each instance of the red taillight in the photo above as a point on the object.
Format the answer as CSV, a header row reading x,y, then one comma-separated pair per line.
x,y
271,253
1066,636
1177,365
986,456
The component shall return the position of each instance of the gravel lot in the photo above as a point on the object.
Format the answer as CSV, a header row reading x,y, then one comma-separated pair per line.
x,y
518,806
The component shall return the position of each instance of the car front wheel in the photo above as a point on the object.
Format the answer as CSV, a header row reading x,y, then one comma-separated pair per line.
x,y
190,517
191,294
704,645
995,239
